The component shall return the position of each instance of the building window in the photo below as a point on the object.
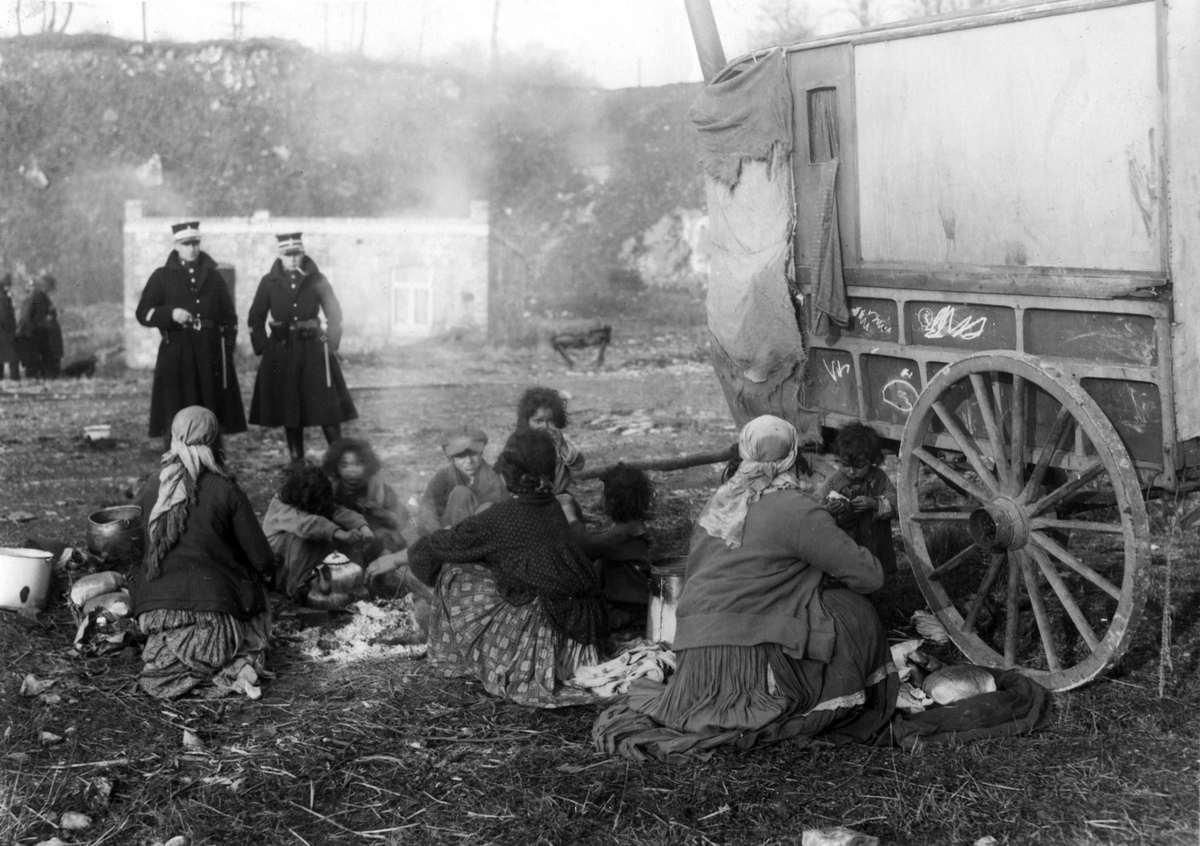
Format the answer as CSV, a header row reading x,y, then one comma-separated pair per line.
x,y
412,299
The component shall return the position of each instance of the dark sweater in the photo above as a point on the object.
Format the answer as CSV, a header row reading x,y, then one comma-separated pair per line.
x,y
529,548
222,560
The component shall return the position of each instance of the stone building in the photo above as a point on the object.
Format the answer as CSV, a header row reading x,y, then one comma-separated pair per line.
x,y
398,279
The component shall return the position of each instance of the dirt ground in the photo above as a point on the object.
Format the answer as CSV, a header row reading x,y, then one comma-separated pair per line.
x,y
382,750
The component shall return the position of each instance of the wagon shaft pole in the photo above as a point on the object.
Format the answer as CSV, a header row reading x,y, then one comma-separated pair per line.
x,y
697,459
706,36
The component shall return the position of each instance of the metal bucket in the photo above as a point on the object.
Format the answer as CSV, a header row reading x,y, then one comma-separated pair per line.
x,y
666,584
116,534
24,578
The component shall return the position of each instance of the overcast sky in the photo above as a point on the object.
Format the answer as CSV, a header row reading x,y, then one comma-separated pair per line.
x,y
616,42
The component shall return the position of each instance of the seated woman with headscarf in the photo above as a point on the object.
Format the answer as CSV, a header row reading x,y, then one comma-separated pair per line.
x,y
774,640
199,595
518,604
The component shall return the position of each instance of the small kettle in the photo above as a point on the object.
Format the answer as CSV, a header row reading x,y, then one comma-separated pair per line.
x,y
336,580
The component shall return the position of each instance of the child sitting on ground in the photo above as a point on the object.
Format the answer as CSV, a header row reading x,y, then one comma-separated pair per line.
x,y
357,485
465,486
303,525
545,409
860,496
622,551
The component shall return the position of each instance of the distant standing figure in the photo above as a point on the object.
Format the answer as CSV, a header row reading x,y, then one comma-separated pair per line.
x,y
39,335
188,302
8,331
300,380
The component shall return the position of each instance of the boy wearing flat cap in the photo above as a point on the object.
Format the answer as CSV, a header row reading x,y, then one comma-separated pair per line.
x,y
465,486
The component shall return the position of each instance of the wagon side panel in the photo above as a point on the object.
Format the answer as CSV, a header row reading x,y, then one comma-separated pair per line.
x,y
1032,143
1182,61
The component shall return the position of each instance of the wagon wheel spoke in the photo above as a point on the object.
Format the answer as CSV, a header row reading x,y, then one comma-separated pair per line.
x,y
988,413
1063,428
967,446
1065,491
955,560
1064,597
1011,611
1076,525
1055,550
950,474
1039,613
1018,430
981,594
942,516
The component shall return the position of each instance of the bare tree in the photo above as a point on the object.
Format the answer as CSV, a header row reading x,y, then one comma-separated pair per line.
x,y
47,11
362,28
781,22
237,16
495,45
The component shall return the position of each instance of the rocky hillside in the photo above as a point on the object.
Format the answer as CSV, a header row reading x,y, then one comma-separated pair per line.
x,y
576,176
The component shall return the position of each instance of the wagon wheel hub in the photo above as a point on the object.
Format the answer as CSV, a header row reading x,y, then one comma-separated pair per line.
x,y
1000,524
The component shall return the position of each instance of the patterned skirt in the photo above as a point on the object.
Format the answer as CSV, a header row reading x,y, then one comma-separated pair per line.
x,y
206,653
512,649
747,696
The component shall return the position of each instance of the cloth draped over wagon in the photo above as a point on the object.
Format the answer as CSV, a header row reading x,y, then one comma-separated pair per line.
x,y
756,314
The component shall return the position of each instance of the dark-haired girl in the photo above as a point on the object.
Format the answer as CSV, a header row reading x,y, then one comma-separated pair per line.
x,y
623,550
303,525
545,409
354,468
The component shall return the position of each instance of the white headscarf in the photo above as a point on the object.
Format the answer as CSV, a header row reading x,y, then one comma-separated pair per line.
x,y
768,447
193,433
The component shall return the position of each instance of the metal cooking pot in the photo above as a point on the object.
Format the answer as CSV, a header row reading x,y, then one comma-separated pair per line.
x,y
116,534
666,584
24,578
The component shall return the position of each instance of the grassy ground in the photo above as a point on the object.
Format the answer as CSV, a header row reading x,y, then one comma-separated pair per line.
x,y
387,751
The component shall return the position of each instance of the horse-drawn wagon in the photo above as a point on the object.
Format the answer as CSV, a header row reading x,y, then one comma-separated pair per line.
x,y
981,234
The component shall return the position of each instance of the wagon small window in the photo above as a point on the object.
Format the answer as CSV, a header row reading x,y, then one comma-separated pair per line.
x,y
823,143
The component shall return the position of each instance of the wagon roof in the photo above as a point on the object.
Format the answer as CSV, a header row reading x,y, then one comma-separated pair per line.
x,y
949,22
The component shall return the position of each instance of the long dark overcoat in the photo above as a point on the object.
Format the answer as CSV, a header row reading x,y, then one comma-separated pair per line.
x,y
300,380
39,335
190,360
8,329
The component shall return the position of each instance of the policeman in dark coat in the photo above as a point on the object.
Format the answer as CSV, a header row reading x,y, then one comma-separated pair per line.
x,y
188,302
299,379
8,330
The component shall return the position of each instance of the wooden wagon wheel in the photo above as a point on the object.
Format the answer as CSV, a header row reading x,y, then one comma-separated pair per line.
x,y
1010,477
